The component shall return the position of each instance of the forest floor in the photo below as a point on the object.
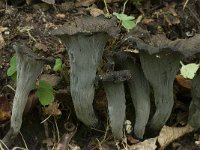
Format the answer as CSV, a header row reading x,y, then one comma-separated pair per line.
x,y
52,127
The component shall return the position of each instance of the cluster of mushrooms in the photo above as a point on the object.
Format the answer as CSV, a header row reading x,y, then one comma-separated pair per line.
x,y
85,39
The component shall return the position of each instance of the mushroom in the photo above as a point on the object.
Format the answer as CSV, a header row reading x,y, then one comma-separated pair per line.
x,y
160,70
116,101
160,58
139,90
85,38
194,110
29,67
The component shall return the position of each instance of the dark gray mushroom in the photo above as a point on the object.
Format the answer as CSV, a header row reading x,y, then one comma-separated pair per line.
x,y
194,110
160,58
116,106
160,70
85,38
29,67
153,44
139,90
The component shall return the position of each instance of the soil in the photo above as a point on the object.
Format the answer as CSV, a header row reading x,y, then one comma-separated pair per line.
x,y
31,21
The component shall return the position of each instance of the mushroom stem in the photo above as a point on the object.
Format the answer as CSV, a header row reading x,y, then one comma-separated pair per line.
x,y
85,52
194,110
139,90
140,93
116,106
28,69
160,69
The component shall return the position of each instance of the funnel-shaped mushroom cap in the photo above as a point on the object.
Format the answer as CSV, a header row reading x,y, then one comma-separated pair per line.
x,y
160,70
29,67
85,38
88,24
160,59
156,43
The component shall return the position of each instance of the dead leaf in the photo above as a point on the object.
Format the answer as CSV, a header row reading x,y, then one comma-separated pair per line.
x,y
31,103
84,3
5,109
52,109
184,83
52,79
96,12
147,21
169,134
41,46
60,15
2,29
149,144
171,20
171,8
132,140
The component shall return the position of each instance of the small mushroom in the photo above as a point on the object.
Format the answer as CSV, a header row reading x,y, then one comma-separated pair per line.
x,y
139,90
116,105
194,110
160,70
29,67
85,38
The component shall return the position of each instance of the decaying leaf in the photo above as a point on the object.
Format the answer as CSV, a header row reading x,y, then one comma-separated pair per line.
x,y
169,134
52,109
96,12
84,3
5,109
149,144
184,83
41,46
52,79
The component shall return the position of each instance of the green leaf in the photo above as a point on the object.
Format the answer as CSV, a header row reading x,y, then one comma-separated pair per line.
x,y
14,76
123,16
188,71
128,24
13,66
58,65
45,93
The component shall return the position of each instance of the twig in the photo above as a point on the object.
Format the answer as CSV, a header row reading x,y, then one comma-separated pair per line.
x,y
45,119
124,7
23,140
19,148
186,2
58,134
105,3
4,144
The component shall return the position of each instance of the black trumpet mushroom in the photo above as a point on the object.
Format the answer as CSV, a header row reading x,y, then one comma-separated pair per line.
x,y
85,38
115,94
160,58
160,69
29,67
139,90
194,110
